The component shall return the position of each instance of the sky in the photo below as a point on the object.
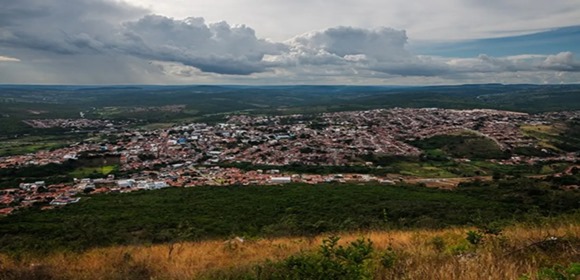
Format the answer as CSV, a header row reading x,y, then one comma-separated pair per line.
x,y
366,42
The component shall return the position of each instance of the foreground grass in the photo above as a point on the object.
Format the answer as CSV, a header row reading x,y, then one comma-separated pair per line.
x,y
417,254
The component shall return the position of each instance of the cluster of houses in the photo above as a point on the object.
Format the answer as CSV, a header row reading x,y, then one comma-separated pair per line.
x,y
191,154
141,184
326,139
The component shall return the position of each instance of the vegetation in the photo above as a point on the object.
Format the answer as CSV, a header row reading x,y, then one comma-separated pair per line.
x,y
93,172
460,146
298,210
548,251
424,167
559,137
53,173
31,144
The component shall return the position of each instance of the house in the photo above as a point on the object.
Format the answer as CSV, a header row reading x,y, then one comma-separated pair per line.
x,y
125,183
64,200
280,180
6,211
160,185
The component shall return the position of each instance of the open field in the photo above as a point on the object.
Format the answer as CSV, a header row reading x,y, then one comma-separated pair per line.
x,y
461,146
547,134
555,137
31,144
516,252
423,170
85,172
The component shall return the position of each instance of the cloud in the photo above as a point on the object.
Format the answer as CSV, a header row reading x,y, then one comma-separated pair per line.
x,y
563,61
216,48
105,41
380,49
378,44
384,50
61,26
8,59
423,19
105,27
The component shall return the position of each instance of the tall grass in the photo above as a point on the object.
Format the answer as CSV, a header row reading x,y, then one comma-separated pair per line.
x,y
419,254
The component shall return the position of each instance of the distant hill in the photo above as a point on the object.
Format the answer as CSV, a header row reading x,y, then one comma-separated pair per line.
x,y
203,102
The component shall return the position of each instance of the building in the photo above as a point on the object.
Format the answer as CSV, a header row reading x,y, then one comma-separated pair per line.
x,y
280,180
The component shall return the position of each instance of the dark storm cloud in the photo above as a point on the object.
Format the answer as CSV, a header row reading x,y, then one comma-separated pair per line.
x,y
88,27
61,26
217,48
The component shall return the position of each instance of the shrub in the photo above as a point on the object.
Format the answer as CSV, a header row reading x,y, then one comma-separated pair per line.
x,y
389,258
438,244
331,262
559,272
474,237
484,232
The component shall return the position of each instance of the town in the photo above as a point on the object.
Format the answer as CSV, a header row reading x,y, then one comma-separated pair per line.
x,y
199,154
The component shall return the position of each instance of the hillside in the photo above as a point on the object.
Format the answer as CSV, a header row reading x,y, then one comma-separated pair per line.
x,y
547,251
202,213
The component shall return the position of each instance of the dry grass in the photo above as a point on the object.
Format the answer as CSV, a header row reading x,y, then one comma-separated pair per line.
x,y
505,257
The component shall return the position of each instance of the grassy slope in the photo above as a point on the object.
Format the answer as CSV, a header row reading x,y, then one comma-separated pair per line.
x,y
558,137
419,254
461,146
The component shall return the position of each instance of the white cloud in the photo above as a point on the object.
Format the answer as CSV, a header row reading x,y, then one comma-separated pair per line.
x,y
380,44
8,59
563,61
423,19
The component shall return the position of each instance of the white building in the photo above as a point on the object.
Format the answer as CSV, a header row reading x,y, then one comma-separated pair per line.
x,y
280,180
125,183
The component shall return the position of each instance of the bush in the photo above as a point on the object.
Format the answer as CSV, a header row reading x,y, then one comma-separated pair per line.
x,y
389,258
484,232
331,262
474,237
559,272
438,244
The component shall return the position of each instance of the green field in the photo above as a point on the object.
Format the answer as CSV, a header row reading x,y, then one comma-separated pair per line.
x,y
424,167
84,172
31,144
424,170
59,173
460,146
559,137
